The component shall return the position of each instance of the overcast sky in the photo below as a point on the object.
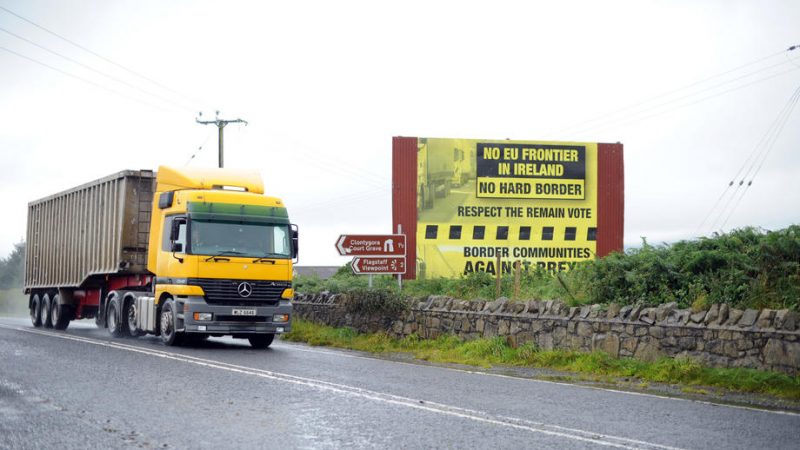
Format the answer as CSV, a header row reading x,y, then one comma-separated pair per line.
x,y
325,85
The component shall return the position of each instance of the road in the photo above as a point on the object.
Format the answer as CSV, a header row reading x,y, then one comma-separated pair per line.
x,y
80,388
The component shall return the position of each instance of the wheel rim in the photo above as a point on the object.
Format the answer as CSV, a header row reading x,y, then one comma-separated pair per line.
x,y
45,308
54,312
132,318
166,323
34,308
112,318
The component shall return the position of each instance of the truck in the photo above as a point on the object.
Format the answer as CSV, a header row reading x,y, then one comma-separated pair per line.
x,y
182,254
435,167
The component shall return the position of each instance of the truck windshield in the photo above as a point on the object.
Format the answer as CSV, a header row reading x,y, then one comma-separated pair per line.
x,y
261,240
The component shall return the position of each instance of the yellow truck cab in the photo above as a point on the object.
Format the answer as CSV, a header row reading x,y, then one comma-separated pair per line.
x,y
218,257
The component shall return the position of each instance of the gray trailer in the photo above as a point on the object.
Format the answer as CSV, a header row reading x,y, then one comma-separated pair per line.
x,y
82,239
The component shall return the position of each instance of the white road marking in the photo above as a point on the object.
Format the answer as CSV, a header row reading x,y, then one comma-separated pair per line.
x,y
382,397
343,353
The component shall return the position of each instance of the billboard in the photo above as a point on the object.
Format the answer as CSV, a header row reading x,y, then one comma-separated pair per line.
x,y
476,199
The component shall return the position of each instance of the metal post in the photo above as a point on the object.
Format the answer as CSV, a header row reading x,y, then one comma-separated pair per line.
x,y
220,145
370,280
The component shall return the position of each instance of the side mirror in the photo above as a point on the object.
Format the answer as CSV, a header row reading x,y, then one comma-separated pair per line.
x,y
295,242
177,247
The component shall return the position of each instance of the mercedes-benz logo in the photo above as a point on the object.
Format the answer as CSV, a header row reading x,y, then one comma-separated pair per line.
x,y
244,289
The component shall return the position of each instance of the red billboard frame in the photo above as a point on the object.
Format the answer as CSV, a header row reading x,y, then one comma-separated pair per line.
x,y
610,197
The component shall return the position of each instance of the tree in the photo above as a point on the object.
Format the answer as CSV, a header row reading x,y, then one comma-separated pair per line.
x,y
12,268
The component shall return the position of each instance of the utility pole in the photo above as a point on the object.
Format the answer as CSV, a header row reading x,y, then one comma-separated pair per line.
x,y
220,123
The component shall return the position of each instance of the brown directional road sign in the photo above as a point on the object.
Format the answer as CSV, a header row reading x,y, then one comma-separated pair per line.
x,y
389,265
371,245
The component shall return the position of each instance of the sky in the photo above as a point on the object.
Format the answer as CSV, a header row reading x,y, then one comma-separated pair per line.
x,y
694,90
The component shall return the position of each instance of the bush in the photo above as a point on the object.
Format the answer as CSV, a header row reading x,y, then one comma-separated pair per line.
x,y
746,268
385,302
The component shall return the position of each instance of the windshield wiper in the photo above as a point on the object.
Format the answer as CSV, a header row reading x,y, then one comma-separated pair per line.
x,y
269,257
224,252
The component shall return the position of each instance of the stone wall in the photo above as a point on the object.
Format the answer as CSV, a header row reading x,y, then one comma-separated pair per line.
x,y
719,337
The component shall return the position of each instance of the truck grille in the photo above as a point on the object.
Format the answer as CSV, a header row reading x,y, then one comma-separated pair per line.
x,y
226,292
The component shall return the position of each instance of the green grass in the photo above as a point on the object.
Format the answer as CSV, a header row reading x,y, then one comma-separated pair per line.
x,y
13,302
595,366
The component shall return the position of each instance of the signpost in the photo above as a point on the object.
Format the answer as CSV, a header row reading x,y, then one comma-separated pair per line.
x,y
390,265
375,254
371,245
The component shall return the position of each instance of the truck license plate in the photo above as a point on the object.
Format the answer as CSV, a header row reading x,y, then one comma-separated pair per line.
x,y
244,312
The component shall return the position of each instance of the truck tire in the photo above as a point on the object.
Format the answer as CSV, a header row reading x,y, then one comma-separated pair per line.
x,y
47,321
130,318
36,310
261,340
169,336
60,315
113,318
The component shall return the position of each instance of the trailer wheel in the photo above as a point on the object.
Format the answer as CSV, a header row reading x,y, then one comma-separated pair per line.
x,y
60,315
47,320
169,336
130,317
261,340
113,318
36,310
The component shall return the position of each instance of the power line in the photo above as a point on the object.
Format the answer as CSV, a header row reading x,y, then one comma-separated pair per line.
x,y
208,136
763,143
691,103
632,117
99,55
770,146
754,161
753,155
86,66
668,93
82,79
338,202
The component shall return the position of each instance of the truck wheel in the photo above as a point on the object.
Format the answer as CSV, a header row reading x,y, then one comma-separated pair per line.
x,y
169,336
113,318
60,315
36,310
130,317
261,340
47,320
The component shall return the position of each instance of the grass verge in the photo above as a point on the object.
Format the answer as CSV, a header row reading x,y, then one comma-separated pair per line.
x,y
597,366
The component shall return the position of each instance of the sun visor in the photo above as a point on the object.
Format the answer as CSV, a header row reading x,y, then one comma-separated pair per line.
x,y
174,179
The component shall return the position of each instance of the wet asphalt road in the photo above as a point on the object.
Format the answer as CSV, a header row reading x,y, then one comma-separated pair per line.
x,y
80,388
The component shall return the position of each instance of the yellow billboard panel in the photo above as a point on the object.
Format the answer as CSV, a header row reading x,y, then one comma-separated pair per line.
x,y
528,201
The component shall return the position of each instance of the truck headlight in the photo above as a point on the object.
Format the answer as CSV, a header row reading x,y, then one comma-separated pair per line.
x,y
288,293
280,318
203,316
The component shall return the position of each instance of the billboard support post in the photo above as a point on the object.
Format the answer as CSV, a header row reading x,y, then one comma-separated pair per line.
x,y
516,279
498,273
399,276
